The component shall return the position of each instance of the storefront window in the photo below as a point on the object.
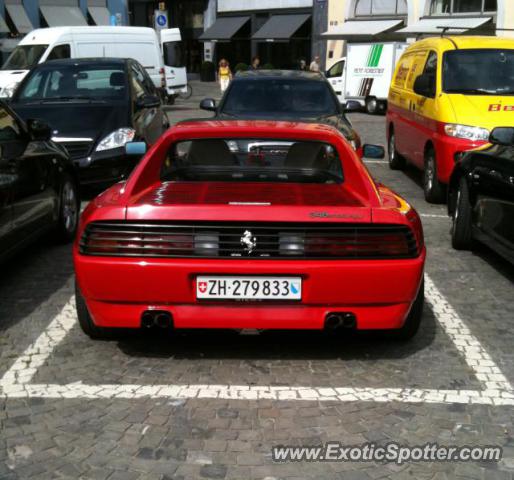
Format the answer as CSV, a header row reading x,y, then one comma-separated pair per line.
x,y
380,7
442,7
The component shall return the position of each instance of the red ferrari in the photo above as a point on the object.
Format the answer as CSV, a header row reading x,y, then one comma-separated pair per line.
x,y
250,225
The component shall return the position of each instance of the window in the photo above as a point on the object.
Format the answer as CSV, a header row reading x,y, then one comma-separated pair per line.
x,y
251,159
448,7
60,51
479,72
172,54
336,70
74,82
143,79
380,7
9,129
431,71
24,57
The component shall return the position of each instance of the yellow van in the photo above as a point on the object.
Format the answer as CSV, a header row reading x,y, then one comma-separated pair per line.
x,y
446,95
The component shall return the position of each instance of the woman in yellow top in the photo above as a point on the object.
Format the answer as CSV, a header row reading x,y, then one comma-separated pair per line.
x,y
224,74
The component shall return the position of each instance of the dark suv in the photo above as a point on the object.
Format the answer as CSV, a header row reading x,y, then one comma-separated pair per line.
x,y
284,95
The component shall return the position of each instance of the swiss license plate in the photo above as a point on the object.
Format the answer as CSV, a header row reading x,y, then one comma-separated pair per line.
x,y
249,288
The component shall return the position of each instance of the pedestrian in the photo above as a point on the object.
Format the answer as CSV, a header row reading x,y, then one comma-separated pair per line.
x,y
314,66
303,65
256,63
224,74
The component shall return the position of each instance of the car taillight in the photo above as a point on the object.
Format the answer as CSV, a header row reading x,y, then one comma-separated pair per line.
x,y
417,228
163,77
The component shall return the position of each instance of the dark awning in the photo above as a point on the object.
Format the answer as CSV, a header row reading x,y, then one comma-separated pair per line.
x,y
62,13
224,28
281,27
18,15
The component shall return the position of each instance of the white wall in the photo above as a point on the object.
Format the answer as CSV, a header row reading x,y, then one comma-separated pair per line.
x,y
243,5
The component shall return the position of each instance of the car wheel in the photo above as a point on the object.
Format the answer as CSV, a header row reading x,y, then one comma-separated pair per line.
x,y
396,161
461,218
432,187
85,321
69,210
371,105
413,321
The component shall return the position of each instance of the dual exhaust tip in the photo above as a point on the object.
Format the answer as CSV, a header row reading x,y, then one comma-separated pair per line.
x,y
156,318
340,321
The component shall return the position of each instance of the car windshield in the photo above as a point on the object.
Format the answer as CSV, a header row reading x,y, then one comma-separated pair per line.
x,y
279,97
254,160
479,72
24,57
49,83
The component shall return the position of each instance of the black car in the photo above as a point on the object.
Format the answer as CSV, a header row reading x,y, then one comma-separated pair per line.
x,y
94,106
481,196
38,185
284,95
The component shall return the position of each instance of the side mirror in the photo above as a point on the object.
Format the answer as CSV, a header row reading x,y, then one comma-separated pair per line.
x,y
373,151
502,136
148,101
39,130
352,106
208,104
135,149
424,85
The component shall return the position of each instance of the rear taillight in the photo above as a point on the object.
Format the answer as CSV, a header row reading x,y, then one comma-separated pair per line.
x,y
417,228
163,77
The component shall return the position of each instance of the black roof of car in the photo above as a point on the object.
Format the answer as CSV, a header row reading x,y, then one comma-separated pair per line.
x,y
275,74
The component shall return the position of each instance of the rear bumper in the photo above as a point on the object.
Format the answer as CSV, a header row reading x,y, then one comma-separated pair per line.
x,y
379,293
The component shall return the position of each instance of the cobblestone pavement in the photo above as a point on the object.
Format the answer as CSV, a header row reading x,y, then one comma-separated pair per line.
x,y
212,404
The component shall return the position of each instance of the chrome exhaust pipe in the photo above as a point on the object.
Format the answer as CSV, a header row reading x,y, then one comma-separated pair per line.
x,y
333,321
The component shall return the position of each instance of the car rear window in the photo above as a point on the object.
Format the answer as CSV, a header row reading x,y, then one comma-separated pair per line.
x,y
247,159
280,97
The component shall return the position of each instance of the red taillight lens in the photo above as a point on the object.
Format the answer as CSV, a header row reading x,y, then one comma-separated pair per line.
x,y
417,228
162,71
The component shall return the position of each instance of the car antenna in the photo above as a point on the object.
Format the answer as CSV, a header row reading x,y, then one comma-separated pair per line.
x,y
443,34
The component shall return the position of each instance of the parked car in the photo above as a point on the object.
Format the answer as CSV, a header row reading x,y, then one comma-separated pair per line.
x,y
94,107
249,224
284,95
38,187
160,57
446,96
481,196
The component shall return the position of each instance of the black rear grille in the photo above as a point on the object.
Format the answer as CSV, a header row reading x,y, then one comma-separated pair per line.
x,y
77,150
252,240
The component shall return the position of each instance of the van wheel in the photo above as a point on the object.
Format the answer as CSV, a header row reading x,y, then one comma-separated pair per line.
x,y
434,190
461,218
85,321
371,105
396,161
413,321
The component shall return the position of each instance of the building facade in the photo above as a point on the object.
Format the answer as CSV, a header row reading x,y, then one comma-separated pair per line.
x,y
408,20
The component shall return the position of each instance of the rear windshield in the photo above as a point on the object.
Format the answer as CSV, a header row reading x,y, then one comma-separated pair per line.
x,y
252,160
479,72
24,57
280,98
50,82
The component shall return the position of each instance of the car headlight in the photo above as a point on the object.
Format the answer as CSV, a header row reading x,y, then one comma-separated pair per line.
x,y
467,132
116,139
9,90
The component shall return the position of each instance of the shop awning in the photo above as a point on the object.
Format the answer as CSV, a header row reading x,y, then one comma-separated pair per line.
x,y
62,15
362,28
100,15
224,28
281,27
454,25
19,16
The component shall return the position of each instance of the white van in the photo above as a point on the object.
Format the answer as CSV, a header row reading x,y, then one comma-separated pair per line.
x,y
364,75
139,43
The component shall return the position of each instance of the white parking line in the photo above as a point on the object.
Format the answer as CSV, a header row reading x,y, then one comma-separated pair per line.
x,y
432,215
497,389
